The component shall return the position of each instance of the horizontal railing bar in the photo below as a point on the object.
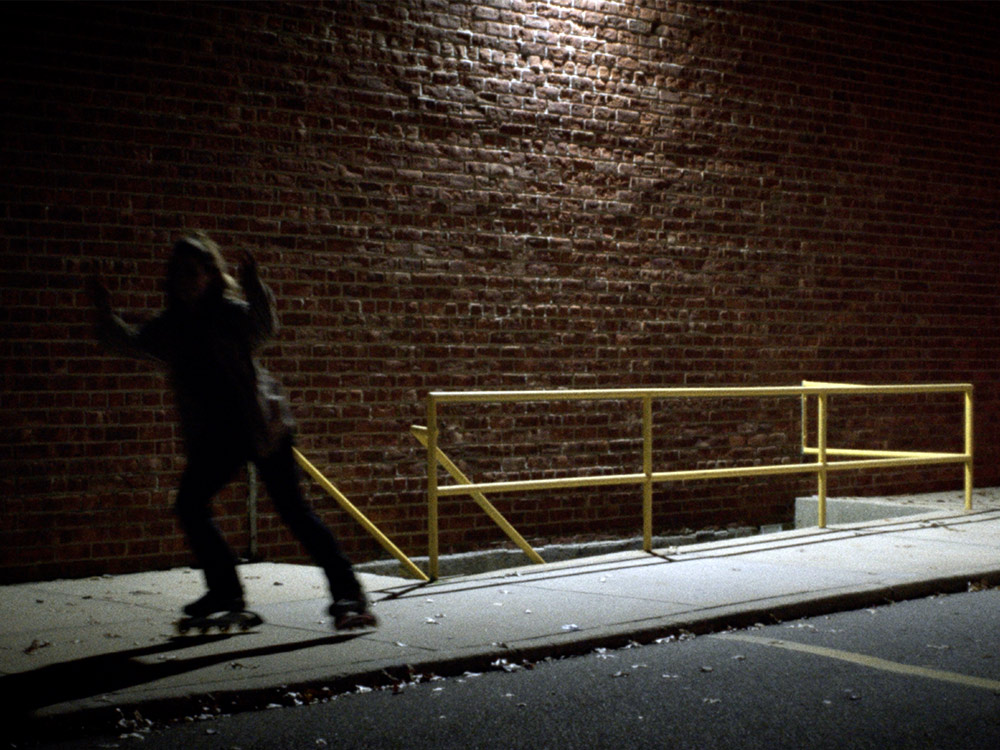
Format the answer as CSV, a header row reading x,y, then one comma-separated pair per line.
x,y
746,471
542,484
734,471
689,474
861,452
456,397
955,458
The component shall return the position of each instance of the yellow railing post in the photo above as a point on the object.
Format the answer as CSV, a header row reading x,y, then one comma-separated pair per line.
x,y
821,476
432,488
647,469
968,448
805,420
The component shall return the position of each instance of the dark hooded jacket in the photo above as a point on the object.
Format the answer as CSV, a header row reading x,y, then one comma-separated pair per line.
x,y
225,399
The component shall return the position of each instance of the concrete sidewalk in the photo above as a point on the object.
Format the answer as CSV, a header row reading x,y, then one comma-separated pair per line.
x,y
79,652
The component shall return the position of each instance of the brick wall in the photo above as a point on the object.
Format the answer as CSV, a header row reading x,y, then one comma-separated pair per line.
x,y
501,194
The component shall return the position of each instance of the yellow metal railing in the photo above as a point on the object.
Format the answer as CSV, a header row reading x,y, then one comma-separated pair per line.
x,y
358,516
856,458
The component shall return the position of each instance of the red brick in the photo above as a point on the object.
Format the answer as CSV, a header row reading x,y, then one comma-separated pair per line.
x,y
602,195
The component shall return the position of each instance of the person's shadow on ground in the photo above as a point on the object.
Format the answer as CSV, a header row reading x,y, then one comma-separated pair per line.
x,y
24,693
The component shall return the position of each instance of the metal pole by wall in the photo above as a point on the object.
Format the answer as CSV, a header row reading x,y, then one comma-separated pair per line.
x,y
821,475
647,469
968,449
432,490
252,511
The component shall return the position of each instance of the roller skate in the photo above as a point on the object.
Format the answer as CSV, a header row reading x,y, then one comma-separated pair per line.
x,y
352,614
213,612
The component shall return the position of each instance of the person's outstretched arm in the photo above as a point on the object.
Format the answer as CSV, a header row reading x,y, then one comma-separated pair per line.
x,y
118,335
263,318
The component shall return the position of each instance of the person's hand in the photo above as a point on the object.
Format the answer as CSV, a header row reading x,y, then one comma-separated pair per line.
x,y
99,295
248,266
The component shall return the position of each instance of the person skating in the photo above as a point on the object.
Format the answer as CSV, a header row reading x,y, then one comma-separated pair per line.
x,y
231,412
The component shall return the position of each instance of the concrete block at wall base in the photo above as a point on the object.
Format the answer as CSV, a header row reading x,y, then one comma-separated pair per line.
x,y
850,510
841,510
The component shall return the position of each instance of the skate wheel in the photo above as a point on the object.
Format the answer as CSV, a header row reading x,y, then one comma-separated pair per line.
x,y
356,621
249,620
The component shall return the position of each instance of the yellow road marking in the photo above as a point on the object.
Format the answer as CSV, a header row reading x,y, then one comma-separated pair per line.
x,y
870,661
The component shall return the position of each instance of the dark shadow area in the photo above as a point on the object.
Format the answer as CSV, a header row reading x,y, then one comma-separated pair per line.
x,y
25,692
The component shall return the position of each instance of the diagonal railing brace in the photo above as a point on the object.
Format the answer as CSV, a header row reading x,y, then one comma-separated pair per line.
x,y
360,517
420,433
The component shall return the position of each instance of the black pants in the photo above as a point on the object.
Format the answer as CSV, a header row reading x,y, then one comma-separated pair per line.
x,y
208,471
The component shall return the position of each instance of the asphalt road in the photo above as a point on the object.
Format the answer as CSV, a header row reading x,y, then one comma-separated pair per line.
x,y
918,674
